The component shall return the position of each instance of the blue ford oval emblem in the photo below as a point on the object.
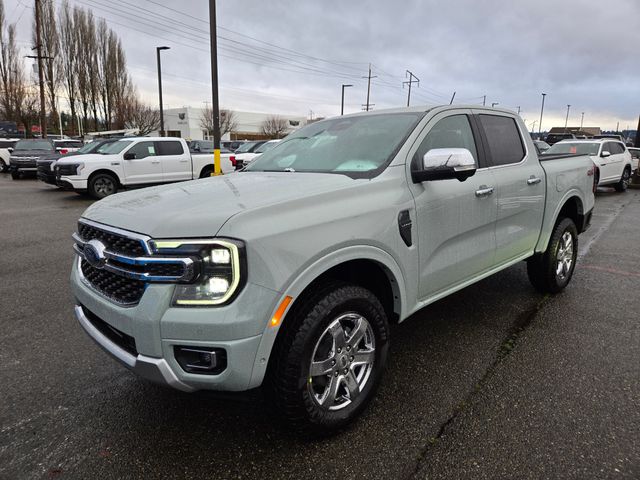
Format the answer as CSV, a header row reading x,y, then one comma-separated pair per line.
x,y
94,253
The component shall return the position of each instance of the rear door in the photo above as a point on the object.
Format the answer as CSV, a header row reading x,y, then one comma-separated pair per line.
x,y
455,220
611,166
520,186
175,160
145,166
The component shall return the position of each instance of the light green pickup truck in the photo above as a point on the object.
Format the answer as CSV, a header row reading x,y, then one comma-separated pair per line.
x,y
287,274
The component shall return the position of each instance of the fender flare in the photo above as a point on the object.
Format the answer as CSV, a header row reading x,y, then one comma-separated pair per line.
x,y
547,228
308,275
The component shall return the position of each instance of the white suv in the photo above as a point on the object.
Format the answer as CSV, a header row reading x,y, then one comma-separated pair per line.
x,y
611,156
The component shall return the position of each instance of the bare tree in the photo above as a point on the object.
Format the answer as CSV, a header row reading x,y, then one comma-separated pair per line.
x,y
50,50
274,127
143,117
228,122
69,49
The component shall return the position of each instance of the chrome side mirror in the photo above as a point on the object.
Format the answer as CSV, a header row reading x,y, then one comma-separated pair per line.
x,y
444,164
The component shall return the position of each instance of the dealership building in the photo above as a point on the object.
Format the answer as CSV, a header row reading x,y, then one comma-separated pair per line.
x,y
185,123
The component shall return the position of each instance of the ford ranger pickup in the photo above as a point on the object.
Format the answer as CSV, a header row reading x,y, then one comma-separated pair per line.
x,y
287,274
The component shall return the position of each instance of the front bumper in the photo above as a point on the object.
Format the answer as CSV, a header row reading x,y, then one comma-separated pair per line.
x,y
157,328
27,166
71,183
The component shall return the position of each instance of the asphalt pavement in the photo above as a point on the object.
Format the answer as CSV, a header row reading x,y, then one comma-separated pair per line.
x,y
496,381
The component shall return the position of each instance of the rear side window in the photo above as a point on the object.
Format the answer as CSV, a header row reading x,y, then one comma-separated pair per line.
x,y
450,132
170,148
503,138
617,148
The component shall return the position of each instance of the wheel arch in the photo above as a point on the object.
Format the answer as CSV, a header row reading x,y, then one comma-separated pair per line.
x,y
370,267
105,171
571,206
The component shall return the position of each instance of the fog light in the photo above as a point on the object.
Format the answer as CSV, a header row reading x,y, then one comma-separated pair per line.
x,y
202,360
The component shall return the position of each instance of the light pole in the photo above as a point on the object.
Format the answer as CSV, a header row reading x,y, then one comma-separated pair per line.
x,y
158,49
581,120
342,103
213,39
494,104
541,111
566,120
518,109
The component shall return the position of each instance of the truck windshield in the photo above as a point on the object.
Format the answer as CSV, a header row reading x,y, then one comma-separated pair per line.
x,y
580,148
359,146
113,148
34,145
245,147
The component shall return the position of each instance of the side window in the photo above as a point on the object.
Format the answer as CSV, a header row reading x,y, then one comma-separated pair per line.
x,y
143,150
609,147
619,147
170,148
450,132
503,138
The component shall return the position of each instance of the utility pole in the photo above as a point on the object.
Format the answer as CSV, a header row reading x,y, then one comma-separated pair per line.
x,y
410,82
342,102
566,120
484,101
452,97
637,141
214,88
494,104
43,113
369,77
158,50
617,127
581,120
541,111
518,109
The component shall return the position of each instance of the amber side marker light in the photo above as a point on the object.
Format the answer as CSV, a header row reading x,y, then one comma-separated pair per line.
x,y
277,317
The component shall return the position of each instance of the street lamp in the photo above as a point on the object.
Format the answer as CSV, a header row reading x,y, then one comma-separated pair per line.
x,y
541,111
581,120
494,104
342,104
158,49
566,120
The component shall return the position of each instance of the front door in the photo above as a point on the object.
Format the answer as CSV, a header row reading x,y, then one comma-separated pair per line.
x,y
145,167
455,220
176,162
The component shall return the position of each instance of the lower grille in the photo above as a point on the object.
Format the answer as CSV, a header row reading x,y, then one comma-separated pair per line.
x,y
124,341
119,289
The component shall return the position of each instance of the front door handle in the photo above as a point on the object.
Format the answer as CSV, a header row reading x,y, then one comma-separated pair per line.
x,y
533,180
484,191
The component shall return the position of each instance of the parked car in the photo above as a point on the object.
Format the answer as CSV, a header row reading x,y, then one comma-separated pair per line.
x,y
553,138
46,165
244,159
67,145
287,274
611,136
6,147
611,156
205,146
232,145
635,155
247,147
541,146
135,162
25,154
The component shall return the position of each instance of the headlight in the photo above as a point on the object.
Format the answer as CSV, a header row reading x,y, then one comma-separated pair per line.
x,y
79,167
221,275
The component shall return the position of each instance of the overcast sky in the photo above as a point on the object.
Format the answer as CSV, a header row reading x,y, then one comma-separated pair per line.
x,y
582,53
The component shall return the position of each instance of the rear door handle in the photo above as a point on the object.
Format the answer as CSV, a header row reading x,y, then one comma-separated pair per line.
x,y
533,180
155,163
484,191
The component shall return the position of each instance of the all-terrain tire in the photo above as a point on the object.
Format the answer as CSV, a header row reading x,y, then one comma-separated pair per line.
x,y
289,384
551,271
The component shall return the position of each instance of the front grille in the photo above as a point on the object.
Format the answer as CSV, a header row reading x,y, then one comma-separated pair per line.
x,y
125,291
124,341
114,242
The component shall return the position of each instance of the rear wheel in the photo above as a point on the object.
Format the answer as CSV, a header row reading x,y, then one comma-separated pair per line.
x,y
623,184
102,185
206,172
328,360
551,271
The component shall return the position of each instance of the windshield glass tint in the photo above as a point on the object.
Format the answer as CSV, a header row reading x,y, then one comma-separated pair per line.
x,y
357,144
571,147
265,146
245,147
33,145
115,147
89,147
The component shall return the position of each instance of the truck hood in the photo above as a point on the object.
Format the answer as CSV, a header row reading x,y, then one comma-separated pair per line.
x,y
86,157
200,208
32,153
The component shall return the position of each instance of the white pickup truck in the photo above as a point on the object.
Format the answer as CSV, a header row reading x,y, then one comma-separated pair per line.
x,y
135,162
287,274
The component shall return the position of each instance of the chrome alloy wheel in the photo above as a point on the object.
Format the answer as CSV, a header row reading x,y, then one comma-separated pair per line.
x,y
625,178
342,361
104,186
564,257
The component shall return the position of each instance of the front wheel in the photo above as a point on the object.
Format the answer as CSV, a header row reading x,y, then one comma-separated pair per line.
x,y
623,184
551,271
328,359
15,175
3,166
102,185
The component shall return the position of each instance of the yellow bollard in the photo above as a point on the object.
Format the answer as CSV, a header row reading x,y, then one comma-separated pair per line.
x,y
216,163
